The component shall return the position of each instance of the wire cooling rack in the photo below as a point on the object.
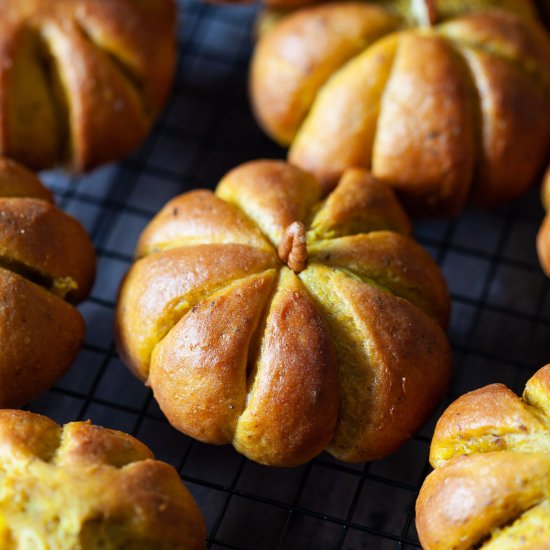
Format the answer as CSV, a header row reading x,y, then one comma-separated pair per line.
x,y
499,328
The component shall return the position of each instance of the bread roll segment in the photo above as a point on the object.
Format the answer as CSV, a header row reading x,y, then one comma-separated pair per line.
x,y
162,288
328,48
40,335
292,402
332,341
199,370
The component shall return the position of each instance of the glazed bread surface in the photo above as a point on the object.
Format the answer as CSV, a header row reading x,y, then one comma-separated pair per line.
x,y
491,484
266,317
82,487
82,80
47,264
443,114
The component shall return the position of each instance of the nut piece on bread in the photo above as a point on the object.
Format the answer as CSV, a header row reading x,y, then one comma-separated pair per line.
x,y
443,114
491,484
265,317
82,486
47,264
82,80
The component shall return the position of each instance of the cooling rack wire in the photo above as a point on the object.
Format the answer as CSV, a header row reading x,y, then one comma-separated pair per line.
x,y
499,327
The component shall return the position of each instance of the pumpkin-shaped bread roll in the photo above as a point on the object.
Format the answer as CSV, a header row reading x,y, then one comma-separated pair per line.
x,y
267,318
491,484
86,487
81,80
47,264
443,114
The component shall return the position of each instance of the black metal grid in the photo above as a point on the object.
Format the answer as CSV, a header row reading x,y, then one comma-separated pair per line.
x,y
499,326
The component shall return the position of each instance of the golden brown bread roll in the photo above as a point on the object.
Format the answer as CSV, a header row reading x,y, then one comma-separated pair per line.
x,y
82,486
491,485
263,317
47,263
440,113
81,80
543,237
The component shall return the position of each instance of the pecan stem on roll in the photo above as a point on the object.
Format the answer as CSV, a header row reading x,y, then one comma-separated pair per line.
x,y
426,12
293,250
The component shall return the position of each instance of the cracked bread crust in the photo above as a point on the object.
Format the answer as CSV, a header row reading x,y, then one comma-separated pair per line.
x,y
82,487
82,80
491,484
47,264
347,354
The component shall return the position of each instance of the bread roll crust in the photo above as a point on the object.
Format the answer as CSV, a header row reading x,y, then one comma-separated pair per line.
x,y
346,353
491,484
47,263
88,487
80,83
